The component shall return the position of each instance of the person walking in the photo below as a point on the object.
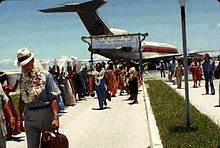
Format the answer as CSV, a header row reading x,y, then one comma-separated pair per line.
x,y
38,93
179,73
122,72
111,77
100,84
208,70
196,71
4,104
172,68
162,68
133,82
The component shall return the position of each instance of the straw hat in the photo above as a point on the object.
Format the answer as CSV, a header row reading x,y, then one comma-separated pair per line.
x,y
24,56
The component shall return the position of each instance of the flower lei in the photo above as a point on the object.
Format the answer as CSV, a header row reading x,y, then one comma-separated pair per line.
x,y
32,84
99,76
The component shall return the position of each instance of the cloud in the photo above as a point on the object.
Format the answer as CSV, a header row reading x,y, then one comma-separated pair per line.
x,y
6,61
218,25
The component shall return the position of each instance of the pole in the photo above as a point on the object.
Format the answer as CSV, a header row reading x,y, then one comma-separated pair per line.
x,y
140,53
140,58
185,65
219,93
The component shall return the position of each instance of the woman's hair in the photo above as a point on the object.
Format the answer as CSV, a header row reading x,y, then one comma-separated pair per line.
x,y
111,67
98,64
3,77
136,66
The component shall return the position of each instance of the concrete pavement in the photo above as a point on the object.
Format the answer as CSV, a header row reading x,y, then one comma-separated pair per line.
x,y
119,126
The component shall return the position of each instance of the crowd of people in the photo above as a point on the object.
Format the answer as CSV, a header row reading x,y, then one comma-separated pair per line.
x,y
198,68
103,78
45,93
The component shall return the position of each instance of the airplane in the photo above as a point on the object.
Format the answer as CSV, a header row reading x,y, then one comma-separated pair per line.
x,y
95,25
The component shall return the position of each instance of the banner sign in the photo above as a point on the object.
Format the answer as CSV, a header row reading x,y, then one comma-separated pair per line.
x,y
116,42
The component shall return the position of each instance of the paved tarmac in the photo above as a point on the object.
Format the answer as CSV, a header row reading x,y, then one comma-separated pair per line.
x,y
119,126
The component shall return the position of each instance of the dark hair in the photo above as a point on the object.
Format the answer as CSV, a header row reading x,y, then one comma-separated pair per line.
x,y
207,55
121,67
98,64
136,66
3,77
111,67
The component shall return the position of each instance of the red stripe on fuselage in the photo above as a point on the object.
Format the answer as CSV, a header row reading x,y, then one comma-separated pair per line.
x,y
158,49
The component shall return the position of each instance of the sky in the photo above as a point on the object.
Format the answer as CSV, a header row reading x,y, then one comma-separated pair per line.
x,y
53,35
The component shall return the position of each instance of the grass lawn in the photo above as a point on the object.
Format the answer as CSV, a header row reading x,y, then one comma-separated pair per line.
x,y
169,110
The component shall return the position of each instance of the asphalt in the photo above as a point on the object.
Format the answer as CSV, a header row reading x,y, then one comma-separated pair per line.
x,y
120,125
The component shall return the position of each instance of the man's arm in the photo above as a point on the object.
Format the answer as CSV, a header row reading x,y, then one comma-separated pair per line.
x,y
54,107
21,108
13,89
53,91
20,113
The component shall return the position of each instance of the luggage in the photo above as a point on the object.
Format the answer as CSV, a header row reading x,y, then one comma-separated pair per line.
x,y
54,140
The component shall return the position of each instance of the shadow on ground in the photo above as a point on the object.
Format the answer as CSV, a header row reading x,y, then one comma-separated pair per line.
x,y
101,108
182,129
17,139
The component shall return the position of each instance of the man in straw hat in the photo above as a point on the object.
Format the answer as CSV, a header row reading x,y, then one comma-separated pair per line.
x,y
38,98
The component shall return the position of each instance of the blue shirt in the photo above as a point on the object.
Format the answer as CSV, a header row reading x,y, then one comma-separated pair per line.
x,y
208,66
172,65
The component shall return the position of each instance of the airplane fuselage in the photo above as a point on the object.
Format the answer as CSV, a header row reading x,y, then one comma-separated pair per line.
x,y
148,49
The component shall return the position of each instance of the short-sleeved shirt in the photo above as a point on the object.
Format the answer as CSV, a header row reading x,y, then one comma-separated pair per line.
x,y
3,97
51,90
208,66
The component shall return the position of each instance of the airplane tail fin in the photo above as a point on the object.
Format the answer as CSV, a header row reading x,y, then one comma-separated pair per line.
x,y
88,14
90,6
86,7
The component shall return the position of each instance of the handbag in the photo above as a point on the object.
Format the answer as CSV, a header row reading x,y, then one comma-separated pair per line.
x,y
108,95
54,140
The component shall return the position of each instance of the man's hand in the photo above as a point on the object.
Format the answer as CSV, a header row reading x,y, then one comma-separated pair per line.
x,y
54,107
12,122
55,123
20,126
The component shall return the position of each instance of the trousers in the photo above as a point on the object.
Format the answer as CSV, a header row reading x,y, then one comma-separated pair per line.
x,y
37,121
